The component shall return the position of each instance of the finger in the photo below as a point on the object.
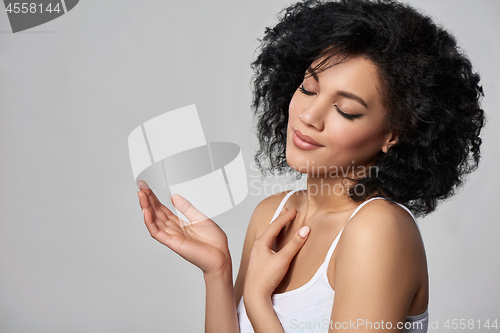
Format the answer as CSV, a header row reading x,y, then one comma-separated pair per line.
x,y
186,208
143,200
155,232
160,210
143,186
153,200
159,220
295,244
272,231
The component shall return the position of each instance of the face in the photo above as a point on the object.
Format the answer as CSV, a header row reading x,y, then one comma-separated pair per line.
x,y
340,111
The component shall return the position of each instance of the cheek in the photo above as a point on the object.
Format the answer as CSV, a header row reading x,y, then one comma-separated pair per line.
x,y
357,138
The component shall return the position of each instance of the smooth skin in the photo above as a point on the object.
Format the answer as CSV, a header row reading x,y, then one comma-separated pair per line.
x,y
202,242
378,270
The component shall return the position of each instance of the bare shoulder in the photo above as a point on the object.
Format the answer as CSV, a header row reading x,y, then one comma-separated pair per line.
x,y
382,230
380,269
381,254
382,218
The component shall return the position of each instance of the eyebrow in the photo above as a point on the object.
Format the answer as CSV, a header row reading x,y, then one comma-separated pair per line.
x,y
340,93
353,97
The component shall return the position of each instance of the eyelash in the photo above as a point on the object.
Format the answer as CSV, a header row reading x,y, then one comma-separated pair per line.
x,y
343,114
304,91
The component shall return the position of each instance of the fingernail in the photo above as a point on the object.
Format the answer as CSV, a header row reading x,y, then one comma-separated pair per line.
x,y
143,212
283,210
142,184
304,231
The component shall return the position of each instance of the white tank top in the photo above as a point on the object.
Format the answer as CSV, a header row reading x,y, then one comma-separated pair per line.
x,y
309,308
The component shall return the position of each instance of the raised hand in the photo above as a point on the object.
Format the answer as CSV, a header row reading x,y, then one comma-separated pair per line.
x,y
200,240
267,268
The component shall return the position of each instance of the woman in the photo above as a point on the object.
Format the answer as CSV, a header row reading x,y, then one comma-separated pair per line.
x,y
378,106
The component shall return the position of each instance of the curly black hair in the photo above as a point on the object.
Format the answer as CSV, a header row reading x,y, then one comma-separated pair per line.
x,y
430,91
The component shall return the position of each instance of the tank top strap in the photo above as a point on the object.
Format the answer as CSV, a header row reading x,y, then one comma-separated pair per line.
x,y
334,244
282,204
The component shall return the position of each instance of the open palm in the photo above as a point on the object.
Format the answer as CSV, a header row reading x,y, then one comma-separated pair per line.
x,y
200,240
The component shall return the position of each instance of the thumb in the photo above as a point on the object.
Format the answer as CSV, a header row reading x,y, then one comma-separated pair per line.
x,y
294,245
187,209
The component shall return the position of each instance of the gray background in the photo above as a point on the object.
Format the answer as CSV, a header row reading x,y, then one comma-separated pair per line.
x,y
74,253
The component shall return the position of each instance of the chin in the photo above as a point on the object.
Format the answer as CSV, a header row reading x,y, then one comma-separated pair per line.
x,y
299,164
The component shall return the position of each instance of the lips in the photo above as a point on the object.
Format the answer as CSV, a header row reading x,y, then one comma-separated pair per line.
x,y
307,139
304,142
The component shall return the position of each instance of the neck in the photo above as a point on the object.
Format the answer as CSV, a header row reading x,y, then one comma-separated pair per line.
x,y
325,194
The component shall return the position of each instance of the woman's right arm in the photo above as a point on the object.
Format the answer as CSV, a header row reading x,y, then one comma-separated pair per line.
x,y
204,244
201,242
220,309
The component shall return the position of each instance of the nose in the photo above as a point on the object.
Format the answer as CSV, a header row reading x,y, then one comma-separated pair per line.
x,y
314,114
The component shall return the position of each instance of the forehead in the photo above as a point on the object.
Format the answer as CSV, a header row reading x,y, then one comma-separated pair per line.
x,y
357,75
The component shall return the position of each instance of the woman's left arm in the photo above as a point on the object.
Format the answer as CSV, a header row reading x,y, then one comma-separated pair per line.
x,y
377,270
266,269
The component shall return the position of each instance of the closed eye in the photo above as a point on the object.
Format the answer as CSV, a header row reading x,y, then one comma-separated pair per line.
x,y
349,116
304,91
342,113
